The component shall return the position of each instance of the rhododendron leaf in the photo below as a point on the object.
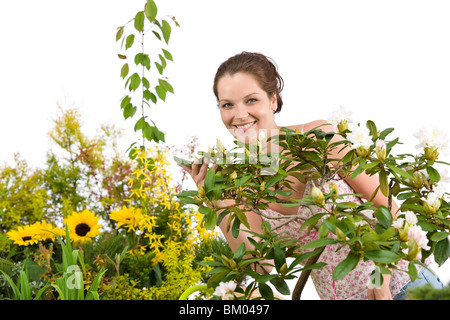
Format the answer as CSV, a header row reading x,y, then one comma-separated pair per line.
x,y
381,256
345,266
384,217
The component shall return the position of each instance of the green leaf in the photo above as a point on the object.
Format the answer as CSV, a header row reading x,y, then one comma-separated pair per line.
x,y
161,92
167,54
139,124
442,251
129,41
266,291
147,131
119,33
385,132
281,286
303,257
384,185
145,83
135,81
152,97
372,128
125,101
315,266
147,95
240,182
159,67
239,253
381,256
241,216
434,174
124,71
210,217
235,227
384,216
412,271
146,61
151,10
319,243
166,30
210,179
129,111
139,21
138,58
438,236
165,85
163,61
311,221
400,172
279,258
157,35
345,266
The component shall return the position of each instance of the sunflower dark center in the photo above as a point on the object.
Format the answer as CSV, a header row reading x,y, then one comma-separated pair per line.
x,y
82,229
26,238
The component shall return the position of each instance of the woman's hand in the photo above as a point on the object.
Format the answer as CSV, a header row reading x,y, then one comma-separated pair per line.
x,y
382,293
197,171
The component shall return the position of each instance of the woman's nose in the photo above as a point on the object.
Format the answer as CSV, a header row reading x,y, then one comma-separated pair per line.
x,y
241,111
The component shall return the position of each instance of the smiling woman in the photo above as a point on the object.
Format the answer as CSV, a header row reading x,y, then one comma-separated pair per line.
x,y
248,89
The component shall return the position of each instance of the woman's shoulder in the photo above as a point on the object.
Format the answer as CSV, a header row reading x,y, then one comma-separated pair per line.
x,y
325,126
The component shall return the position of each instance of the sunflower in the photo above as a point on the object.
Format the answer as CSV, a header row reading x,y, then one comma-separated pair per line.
x,y
128,217
47,231
25,236
83,226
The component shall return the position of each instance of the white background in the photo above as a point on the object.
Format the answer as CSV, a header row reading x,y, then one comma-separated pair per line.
x,y
387,61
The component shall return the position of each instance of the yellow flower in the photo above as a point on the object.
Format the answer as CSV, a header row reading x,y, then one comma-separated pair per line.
x,y
47,231
83,226
25,236
131,218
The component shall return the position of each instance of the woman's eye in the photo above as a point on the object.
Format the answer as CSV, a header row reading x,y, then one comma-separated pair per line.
x,y
226,105
251,100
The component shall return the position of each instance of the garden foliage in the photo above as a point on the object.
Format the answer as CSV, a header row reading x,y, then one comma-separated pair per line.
x,y
128,236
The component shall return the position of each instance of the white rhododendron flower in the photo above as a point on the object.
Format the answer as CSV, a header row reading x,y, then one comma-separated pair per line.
x,y
419,236
411,218
225,290
433,142
431,138
398,223
338,115
432,202
360,137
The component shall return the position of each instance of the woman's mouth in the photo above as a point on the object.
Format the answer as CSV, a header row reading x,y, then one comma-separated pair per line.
x,y
245,127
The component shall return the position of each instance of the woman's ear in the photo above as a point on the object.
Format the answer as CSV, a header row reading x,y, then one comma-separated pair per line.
x,y
274,102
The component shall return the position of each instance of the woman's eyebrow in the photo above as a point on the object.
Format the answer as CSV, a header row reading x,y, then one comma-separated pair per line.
x,y
245,97
251,94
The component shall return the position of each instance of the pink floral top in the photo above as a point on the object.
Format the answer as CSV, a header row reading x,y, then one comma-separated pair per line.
x,y
354,285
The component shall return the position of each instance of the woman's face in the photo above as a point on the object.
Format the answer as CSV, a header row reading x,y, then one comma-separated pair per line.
x,y
245,108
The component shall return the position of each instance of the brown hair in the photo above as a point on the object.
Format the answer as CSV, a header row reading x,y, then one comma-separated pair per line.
x,y
259,66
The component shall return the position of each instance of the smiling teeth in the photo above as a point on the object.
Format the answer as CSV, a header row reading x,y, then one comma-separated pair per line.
x,y
246,126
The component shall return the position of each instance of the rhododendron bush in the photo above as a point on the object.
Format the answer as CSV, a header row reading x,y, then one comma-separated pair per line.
x,y
254,178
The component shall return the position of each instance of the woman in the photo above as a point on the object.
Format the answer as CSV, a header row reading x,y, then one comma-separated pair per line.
x,y
248,90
